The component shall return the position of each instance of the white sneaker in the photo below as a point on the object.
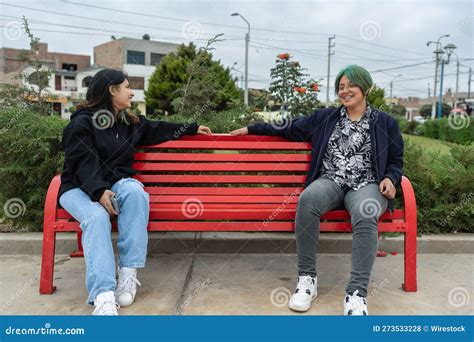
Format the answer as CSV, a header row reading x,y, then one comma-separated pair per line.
x,y
127,286
306,291
105,305
355,305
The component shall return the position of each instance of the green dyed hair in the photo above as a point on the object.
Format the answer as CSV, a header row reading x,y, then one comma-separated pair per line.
x,y
357,75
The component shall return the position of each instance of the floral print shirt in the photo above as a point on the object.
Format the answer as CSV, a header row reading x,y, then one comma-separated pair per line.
x,y
348,159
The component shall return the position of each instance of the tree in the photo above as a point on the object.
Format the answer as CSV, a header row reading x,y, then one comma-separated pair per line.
x,y
376,97
189,80
33,97
292,88
425,111
398,110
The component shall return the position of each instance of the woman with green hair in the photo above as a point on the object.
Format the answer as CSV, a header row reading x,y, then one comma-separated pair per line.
x,y
356,164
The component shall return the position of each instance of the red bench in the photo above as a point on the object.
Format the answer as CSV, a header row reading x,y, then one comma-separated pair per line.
x,y
227,183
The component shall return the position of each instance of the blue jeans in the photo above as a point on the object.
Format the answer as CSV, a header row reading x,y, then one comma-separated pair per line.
x,y
96,232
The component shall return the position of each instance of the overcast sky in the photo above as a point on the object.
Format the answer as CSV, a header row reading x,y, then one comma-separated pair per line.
x,y
386,37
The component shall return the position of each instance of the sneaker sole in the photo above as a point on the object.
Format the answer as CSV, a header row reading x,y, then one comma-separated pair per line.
x,y
299,308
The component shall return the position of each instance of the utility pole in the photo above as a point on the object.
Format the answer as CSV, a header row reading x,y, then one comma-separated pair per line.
x,y
429,93
247,40
457,77
330,53
469,84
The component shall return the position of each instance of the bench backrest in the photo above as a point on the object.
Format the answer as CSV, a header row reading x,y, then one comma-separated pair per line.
x,y
252,179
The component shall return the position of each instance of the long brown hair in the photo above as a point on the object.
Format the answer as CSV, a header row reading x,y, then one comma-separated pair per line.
x,y
98,96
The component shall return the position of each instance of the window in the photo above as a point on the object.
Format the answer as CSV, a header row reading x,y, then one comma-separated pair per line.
x,y
135,57
86,81
69,66
156,58
137,82
69,78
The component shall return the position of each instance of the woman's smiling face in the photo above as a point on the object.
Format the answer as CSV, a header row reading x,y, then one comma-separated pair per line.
x,y
349,94
122,96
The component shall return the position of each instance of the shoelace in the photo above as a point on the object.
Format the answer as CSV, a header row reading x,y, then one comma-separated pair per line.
x,y
305,283
106,307
128,282
356,302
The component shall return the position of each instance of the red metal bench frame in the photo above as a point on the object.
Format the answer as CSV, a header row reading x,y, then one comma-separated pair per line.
x,y
223,206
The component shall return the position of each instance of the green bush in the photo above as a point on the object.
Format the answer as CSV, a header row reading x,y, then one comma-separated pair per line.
x,y
444,187
446,129
30,156
219,122
407,126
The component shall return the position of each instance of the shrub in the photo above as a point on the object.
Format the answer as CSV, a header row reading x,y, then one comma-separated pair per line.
x,y
30,157
448,130
444,187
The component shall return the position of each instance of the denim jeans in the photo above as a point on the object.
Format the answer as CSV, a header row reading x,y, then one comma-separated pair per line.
x,y
96,233
365,206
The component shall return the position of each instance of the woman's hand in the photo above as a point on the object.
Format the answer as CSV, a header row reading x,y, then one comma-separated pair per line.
x,y
240,131
204,130
105,201
387,188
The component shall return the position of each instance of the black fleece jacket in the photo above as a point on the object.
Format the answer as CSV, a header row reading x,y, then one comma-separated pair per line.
x,y
96,158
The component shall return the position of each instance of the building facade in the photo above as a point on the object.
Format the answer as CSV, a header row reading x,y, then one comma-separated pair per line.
x,y
138,58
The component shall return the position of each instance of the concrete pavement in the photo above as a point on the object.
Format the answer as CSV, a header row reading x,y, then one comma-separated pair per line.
x,y
244,284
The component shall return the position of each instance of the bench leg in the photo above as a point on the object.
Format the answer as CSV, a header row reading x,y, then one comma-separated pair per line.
x,y
80,252
47,262
410,284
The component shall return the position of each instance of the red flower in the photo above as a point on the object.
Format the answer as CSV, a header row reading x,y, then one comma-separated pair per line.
x,y
314,86
300,90
284,56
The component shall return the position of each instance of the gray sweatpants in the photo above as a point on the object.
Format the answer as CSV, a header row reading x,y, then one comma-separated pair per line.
x,y
365,206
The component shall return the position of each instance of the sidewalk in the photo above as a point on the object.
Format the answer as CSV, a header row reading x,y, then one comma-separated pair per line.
x,y
241,242
244,284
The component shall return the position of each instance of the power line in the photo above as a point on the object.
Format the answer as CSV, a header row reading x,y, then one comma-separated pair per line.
x,y
234,26
186,20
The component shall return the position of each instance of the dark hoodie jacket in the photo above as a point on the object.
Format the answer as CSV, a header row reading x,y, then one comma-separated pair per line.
x,y
96,158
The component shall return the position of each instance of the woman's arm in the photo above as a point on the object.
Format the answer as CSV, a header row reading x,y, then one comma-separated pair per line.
x,y
155,132
299,129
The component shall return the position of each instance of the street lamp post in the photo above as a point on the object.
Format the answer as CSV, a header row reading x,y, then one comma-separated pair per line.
x,y
449,49
391,85
247,40
437,59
